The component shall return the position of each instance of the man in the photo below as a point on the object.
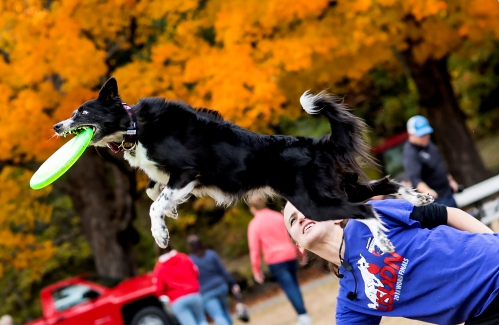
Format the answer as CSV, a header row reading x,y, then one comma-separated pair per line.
x,y
424,164
268,233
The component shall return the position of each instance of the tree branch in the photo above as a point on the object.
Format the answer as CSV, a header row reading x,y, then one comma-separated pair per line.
x,y
133,30
48,3
114,48
19,297
5,56
29,165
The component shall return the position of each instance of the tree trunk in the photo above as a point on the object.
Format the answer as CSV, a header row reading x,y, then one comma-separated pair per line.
x,y
103,195
437,97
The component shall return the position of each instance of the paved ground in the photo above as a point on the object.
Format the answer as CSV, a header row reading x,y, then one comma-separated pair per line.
x,y
320,300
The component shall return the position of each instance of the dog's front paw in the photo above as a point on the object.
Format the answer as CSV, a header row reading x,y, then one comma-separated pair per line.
x,y
413,196
160,233
158,226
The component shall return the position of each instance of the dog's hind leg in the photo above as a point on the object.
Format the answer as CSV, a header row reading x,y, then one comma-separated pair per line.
x,y
175,192
413,196
359,192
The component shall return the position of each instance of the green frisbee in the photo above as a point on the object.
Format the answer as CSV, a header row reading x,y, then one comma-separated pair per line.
x,y
61,160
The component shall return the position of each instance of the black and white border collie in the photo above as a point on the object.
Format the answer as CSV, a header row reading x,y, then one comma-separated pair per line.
x,y
187,151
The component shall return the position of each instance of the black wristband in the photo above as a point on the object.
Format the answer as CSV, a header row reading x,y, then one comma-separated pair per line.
x,y
430,216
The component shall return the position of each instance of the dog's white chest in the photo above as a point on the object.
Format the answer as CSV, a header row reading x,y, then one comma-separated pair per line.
x,y
141,161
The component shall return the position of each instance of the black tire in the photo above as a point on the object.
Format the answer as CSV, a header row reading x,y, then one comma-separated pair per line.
x,y
151,316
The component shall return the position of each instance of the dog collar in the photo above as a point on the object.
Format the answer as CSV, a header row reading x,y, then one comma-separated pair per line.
x,y
130,139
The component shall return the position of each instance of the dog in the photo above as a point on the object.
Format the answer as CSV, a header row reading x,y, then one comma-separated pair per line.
x,y
187,151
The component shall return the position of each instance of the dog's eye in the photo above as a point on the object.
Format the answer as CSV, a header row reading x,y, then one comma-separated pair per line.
x,y
84,112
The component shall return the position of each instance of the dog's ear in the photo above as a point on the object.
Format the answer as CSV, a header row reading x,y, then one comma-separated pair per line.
x,y
109,91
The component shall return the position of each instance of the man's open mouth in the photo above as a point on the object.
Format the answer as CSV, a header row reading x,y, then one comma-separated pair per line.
x,y
114,146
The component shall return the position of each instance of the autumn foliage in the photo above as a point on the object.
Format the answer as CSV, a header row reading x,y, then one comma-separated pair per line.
x,y
19,248
234,56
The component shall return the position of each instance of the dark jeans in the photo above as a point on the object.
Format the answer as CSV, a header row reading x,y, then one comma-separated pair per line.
x,y
188,310
215,304
285,274
490,315
447,201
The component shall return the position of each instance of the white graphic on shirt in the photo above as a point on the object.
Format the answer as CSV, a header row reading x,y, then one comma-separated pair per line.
x,y
383,281
372,248
425,155
371,283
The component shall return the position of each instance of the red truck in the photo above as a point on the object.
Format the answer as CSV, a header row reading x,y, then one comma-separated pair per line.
x,y
95,300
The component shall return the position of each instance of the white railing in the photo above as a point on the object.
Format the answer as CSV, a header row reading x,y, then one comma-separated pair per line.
x,y
478,192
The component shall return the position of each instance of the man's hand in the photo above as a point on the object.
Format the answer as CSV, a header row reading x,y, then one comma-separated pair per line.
x,y
259,278
453,184
424,188
432,193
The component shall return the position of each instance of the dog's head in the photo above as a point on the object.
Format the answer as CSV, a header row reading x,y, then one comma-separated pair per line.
x,y
105,115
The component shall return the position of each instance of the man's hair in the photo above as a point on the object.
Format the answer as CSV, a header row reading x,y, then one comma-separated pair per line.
x,y
257,201
160,251
196,245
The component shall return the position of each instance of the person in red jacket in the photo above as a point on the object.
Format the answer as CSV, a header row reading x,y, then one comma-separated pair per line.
x,y
177,278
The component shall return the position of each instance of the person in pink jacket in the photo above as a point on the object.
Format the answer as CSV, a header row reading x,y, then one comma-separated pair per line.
x,y
267,233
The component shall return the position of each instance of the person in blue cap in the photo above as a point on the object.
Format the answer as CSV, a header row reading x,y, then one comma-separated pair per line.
x,y
424,164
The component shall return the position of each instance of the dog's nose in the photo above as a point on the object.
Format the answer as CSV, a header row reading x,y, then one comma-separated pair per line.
x,y
57,127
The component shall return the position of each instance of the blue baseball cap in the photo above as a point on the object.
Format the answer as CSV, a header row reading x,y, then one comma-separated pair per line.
x,y
418,125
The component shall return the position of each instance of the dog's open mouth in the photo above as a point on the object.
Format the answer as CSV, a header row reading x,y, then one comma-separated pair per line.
x,y
77,130
114,146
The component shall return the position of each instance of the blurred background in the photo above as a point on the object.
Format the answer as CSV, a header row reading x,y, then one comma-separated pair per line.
x,y
251,61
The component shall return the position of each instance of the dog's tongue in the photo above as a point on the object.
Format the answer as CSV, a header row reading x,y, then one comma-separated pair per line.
x,y
114,147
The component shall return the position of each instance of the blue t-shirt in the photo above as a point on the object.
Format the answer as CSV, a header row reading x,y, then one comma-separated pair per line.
x,y
441,275
212,272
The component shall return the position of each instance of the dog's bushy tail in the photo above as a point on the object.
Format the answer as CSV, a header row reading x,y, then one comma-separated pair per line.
x,y
346,139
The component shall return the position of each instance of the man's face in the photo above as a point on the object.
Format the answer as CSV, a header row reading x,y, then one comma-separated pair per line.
x,y
420,141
